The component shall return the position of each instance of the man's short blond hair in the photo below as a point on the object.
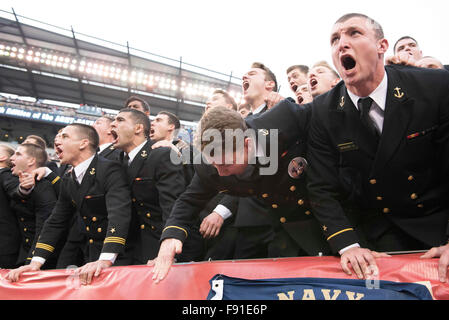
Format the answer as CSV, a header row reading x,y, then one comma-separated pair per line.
x,y
227,97
326,65
377,28
36,152
219,119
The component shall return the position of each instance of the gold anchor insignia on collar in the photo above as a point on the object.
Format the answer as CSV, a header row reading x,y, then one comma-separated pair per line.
x,y
144,154
111,148
398,94
92,171
264,132
342,102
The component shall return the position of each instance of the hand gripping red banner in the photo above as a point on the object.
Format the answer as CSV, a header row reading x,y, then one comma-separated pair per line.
x,y
191,281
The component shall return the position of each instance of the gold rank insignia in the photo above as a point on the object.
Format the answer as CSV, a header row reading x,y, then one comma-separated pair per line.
x,y
111,148
342,102
398,94
264,132
324,228
348,146
144,154
92,171
112,230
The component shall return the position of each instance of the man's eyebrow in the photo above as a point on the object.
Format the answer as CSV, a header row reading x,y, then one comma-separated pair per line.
x,y
334,34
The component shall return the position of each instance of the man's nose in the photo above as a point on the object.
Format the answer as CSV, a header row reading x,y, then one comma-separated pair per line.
x,y
343,43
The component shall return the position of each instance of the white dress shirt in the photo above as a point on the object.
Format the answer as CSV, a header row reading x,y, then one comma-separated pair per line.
x,y
259,108
376,113
379,96
133,153
103,146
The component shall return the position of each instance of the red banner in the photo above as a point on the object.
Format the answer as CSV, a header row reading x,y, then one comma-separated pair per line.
x,y
191,281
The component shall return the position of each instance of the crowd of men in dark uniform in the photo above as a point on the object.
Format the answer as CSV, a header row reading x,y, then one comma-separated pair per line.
x,y
362,170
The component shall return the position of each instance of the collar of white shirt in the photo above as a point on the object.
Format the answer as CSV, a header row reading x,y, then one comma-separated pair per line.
x,y
81,169
259,109
134,151
103,146
379,95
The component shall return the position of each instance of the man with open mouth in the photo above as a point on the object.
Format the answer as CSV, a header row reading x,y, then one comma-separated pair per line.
x,y
378,146
33,209
303,95
96,189
156,179
380,140
9,231
321,78
297,77
257,84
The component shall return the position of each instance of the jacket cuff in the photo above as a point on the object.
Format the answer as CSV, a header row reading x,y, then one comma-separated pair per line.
x,y
174,232
342,239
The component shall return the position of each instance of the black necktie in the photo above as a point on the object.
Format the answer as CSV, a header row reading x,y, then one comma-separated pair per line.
x,y
74,178
126,157
364,107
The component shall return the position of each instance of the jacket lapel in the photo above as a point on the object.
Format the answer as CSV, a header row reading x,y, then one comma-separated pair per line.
x,y
138,161
345,122
88,180
107,151
397,116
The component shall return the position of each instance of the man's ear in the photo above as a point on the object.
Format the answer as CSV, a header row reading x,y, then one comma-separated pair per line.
x,y
84,144
382,46
138,128
31,161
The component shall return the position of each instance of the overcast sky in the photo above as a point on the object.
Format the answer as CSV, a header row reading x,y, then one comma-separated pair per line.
x,y
227,36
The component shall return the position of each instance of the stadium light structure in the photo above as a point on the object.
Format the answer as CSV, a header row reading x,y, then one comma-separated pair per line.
x,y
42,59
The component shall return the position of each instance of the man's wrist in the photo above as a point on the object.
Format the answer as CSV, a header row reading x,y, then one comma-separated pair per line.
x,y
108,257
37,262
354,245
223,211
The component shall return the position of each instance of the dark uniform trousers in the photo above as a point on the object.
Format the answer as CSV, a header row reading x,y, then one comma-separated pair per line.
x,y
9,229
285,196
156,182
393,195
73,252
222,246
103,201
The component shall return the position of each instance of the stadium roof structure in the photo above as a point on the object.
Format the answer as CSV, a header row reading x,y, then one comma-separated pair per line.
x,y
48,62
